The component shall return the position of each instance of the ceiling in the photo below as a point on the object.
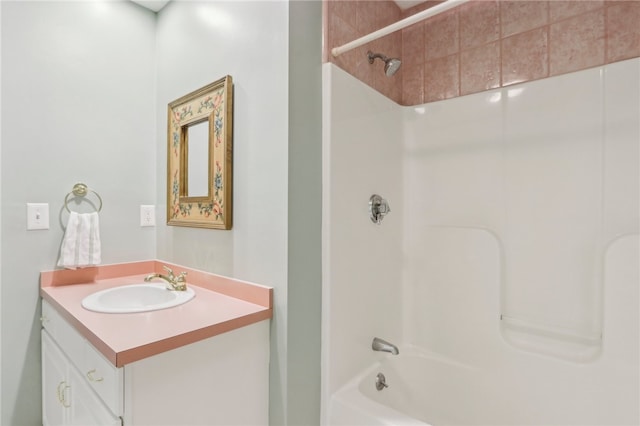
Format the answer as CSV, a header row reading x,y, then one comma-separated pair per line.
x,y
156,5
406,4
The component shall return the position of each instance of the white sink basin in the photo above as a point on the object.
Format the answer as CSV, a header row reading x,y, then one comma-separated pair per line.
x,y
136,298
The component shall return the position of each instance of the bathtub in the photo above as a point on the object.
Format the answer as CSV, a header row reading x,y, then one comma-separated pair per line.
x,y
420,391
428,389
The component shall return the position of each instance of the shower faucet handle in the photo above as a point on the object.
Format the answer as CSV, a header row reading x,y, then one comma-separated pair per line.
x,y
378,208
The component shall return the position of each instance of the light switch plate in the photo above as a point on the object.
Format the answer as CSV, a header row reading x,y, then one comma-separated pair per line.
x,y
37,216
147,215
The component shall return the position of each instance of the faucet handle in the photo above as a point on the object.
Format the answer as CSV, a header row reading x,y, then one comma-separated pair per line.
x,y
182,277
169,271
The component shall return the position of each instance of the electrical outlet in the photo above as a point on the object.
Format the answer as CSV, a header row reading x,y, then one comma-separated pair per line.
x,y
147,215
37,216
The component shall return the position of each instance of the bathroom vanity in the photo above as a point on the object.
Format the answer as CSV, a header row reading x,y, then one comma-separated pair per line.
x,y
203,362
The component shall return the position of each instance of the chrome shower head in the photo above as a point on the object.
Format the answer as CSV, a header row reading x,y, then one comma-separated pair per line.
x,y
391,65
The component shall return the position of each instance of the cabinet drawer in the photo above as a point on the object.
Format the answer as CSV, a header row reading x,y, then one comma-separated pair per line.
x,y
87,408
71,342
104,378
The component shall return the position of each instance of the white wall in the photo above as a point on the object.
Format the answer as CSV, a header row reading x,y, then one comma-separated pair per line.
x,y
77,105
523,202
362,261
198,43
100,76
0,208
304,274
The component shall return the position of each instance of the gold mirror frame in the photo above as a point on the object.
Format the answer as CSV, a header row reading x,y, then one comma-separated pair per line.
x,y
213,104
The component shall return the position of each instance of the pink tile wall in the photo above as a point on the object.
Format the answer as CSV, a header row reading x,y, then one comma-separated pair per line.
x,y
483,44
347,20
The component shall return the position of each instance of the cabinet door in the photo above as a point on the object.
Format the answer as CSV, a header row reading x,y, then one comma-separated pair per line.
x,y
54,383
67,399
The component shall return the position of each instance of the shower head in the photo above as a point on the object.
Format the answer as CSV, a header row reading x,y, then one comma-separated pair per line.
x,y
391,65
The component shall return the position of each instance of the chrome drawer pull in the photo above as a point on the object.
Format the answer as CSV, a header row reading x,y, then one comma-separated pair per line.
x,y
93,379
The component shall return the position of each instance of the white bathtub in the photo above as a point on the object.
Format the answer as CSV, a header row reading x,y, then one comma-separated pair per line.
x,y
430,390
420,392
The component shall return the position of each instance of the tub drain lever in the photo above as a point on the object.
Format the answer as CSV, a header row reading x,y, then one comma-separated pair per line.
x,y
378,208
381,382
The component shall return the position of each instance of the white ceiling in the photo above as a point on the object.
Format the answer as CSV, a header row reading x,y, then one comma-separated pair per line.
x,y
406,4
154,5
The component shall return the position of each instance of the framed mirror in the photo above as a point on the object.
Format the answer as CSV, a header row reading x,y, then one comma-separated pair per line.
x,y
199,157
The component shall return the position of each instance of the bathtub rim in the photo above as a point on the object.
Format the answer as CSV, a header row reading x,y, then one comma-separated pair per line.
x,y
349,395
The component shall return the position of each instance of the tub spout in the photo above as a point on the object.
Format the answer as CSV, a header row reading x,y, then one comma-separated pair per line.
x,y
383,346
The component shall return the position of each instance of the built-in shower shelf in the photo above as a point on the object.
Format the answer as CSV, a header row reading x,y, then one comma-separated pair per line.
x,y
559,333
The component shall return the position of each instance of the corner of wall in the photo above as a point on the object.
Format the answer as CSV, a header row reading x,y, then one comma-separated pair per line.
x,y
304,274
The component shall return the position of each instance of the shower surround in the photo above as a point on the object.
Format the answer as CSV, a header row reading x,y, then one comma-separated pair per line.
x,y
511,252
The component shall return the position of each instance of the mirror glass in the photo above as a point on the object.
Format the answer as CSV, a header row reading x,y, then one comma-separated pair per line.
x,y
197,141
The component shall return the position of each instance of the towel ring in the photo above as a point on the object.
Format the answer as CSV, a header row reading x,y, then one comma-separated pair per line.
x,y
81,190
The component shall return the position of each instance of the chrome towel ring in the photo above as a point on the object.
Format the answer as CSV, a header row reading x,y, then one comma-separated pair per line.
x,y
81,190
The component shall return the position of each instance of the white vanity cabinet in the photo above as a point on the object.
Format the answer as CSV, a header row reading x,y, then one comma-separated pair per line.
x,y
220,380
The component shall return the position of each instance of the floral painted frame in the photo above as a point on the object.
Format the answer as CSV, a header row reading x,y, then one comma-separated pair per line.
x,y
212,103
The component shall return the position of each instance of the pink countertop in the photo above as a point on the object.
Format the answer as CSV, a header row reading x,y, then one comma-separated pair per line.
x,y
221,304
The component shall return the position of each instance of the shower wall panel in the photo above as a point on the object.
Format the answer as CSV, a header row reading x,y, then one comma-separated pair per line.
x,y
550,170
552,235
514,229
362,261
453,203
521,235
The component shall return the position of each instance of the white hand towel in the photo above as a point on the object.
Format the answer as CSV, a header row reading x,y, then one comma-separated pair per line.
x,y
81,242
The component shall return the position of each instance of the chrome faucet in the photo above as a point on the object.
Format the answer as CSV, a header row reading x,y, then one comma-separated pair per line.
x,y
175,283
383,346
